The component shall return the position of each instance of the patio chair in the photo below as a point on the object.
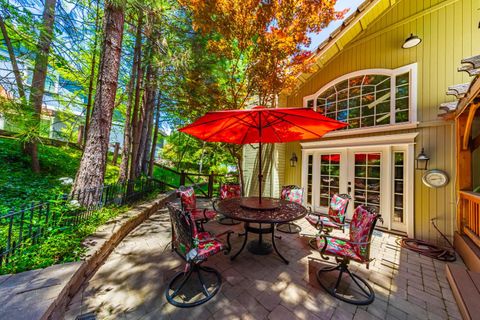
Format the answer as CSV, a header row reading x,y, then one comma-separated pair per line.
x,y
194,247
295,194
189,203
228,191
356,248
335,219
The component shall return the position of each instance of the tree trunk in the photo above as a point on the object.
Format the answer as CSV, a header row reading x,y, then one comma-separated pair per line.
x,y
135,116
155,137
91,173
148,105
92,76
146,155
38,80
13,60
127,140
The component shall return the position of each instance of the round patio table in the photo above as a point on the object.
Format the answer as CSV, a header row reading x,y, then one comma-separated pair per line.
x,y
272,211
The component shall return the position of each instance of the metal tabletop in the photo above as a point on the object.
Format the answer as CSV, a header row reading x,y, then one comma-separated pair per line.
x,y
285,212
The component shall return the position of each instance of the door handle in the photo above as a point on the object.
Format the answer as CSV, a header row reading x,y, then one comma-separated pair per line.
x,y
349,189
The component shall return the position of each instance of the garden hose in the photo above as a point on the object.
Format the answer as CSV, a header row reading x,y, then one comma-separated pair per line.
x,y
429,249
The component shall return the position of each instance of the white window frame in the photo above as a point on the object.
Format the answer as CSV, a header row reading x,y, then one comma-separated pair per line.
x,y
412,69
395,142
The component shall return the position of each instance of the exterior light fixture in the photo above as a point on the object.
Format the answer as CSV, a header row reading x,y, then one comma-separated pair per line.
x,y
411,42
293,160
422,160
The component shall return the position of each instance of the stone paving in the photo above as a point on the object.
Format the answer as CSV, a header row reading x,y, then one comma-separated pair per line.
x,y
131,284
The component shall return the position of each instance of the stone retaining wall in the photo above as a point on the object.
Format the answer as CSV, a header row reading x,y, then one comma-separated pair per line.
x,y
45,294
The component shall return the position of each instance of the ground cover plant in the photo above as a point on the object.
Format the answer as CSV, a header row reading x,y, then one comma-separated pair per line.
x,y
20,186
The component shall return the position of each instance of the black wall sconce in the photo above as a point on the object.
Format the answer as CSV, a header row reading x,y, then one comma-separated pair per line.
x,y
422,160
293,160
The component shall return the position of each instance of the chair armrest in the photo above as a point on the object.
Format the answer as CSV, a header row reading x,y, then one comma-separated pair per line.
x,y
229,246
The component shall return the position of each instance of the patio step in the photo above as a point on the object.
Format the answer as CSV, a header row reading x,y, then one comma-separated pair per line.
x,y
469,251
465,286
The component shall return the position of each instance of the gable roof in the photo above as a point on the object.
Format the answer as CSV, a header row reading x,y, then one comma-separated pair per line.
x,y
352,26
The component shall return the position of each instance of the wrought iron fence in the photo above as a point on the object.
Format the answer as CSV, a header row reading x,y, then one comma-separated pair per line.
x,y
31,223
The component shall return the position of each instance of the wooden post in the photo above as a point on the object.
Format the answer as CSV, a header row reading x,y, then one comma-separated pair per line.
x,y
115,153
211,177
464,166
182,178
81,130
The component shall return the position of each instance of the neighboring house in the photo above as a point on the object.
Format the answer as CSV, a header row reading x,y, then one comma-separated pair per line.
x,y
60,95
390,97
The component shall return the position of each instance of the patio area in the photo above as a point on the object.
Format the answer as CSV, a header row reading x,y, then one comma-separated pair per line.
x,y
131,284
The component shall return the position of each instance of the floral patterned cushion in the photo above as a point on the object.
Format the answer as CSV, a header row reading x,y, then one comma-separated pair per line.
x,y
360,226
202,244
337,208
339,247
228,191
292,193
197,214
188,198
208,245
313,219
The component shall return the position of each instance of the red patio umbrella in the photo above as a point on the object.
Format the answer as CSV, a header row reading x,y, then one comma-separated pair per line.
x,y
261,125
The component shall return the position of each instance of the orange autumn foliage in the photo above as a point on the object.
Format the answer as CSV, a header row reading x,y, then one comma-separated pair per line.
x,y
271,35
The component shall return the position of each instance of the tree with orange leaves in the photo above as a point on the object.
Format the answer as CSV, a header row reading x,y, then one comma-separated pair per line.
x,y
265,41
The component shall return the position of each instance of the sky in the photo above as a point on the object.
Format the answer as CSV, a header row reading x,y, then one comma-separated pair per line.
x,y
341,4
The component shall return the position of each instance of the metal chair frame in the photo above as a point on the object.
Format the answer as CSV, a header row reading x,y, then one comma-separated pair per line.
x,y
193,266
342,267
223,219
321,228
290,227
200,222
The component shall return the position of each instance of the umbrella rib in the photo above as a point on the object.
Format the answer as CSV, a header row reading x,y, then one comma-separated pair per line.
x,y
225,127
246,132
301,127
192,125
278,120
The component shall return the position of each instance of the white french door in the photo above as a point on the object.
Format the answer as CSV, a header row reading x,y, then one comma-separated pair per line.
x,y
376,176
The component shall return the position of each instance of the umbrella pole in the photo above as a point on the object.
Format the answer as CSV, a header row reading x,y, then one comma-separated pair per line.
x,y
260,172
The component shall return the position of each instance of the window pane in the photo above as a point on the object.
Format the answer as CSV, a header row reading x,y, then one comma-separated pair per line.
x,y
398,187
365,101
383,107
329,177
357,81
310,104
385,84
402,91
355,102
354,123
354,113
355,91
401,116
342,85
402,104
402,79
343,95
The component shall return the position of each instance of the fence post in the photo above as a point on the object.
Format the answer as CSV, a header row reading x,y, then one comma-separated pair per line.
x,y
115,153
211,177
182,178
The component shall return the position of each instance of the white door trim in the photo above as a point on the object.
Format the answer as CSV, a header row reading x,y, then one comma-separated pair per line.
x,y
391,139
385,144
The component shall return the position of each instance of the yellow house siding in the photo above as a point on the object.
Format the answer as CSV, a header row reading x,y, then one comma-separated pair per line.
x,y
449,32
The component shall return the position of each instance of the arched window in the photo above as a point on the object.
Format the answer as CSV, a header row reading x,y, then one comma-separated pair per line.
x,y
369,98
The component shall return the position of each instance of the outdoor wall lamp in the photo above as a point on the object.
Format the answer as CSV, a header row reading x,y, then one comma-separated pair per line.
x,y
293,160
422,160
411,42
